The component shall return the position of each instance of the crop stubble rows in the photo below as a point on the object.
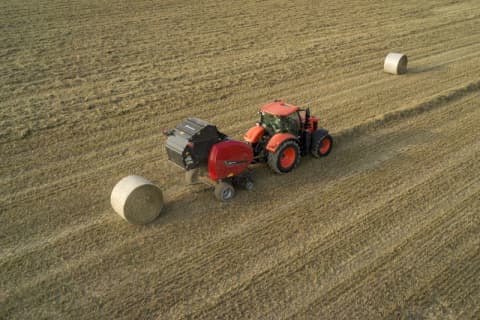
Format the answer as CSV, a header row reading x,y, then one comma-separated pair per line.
x,y
370,231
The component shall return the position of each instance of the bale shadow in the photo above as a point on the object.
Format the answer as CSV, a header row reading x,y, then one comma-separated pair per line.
x,y
424,69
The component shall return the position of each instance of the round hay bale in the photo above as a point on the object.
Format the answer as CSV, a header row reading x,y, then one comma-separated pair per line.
x,y
137,200
395,63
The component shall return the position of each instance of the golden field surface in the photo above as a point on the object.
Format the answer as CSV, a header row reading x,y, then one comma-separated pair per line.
x,y
386,227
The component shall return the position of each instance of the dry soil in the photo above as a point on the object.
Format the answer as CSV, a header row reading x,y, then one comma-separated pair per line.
x,y
387,226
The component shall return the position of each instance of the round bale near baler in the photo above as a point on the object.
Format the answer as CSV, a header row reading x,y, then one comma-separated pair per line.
x,y
395,63
137,200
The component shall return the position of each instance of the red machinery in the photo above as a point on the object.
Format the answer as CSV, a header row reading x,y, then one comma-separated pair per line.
x,y
283,134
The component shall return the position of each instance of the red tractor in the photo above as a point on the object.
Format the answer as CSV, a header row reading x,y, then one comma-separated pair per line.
x,y
283,134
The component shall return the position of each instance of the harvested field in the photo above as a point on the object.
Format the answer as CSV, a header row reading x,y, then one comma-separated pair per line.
x,y
386,227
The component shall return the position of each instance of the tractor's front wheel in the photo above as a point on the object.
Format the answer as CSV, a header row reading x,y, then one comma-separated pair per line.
x,y
322,147
285,158
224,191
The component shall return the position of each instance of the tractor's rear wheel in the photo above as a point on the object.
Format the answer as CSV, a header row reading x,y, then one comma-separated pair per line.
x,y
285,158
322,147
224,191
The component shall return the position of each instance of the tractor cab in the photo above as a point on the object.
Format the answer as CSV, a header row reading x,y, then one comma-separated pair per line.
x,y
280,117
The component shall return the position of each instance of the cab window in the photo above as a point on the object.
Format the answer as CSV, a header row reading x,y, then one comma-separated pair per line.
x,y
292,123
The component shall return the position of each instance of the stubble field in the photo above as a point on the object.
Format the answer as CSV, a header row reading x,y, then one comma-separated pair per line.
x,y
387,226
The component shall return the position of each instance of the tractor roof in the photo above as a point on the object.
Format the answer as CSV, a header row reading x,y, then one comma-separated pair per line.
x,y
279,108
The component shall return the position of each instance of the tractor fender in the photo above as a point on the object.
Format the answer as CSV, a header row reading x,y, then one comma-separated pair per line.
x,y
277,140
254,134
318,135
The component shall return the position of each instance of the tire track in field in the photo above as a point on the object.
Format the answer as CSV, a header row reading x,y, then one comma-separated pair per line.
x,y
437,101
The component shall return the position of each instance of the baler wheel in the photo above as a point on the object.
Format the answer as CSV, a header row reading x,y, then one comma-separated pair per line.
x,y
285,158
322,147
224,191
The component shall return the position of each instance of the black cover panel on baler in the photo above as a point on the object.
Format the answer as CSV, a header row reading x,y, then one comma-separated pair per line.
x,y
189,144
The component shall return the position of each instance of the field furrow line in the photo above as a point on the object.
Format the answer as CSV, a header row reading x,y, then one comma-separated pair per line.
x,y
429,243
434,102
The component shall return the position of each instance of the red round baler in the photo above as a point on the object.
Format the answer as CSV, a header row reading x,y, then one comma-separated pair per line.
x,y
210,156
228,159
